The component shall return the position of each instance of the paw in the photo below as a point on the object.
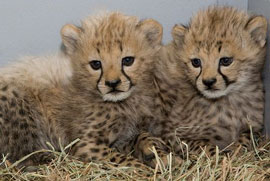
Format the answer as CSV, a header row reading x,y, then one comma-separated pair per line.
x,y
152,151
162,159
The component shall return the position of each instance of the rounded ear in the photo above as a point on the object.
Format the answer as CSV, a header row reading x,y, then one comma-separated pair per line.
x,y
153,31
178,33
70,35
257,27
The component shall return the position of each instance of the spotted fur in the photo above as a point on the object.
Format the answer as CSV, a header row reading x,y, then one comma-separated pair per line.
x,y
217,114
84,101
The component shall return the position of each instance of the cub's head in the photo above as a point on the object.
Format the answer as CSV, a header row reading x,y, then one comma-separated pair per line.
x,y
221,50
112,55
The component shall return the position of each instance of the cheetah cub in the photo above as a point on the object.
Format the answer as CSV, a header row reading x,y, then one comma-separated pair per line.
x,y
209,79
98,90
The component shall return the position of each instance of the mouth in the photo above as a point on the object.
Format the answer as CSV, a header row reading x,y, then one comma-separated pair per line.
x,y
114,91
211,89
117,95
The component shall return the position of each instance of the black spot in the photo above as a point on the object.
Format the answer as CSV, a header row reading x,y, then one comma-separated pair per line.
x,y
82,145
121,106
83,156
212,150
130,159
4,88
34,135
122,160
15,136
99,141
110,126
15,94
137,165
217,137
89,135
104,153
99,125
101,133
90,114
112,159
149,157
106,141
115,130
94,158
21,112
108,116
99,114
13,102
94,150
4,98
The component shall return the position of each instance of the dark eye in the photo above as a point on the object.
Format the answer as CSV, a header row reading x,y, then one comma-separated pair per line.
x,y
196,62
95,64
127,61
225,61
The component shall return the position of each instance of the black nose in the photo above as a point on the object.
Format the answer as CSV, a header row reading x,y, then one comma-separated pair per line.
x,y
209,82
112,83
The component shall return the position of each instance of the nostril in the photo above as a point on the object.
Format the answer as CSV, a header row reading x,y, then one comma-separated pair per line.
x,y
209,82
112,83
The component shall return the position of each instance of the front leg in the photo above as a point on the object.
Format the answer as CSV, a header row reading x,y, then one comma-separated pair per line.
x,y
187,146
143,150
92,149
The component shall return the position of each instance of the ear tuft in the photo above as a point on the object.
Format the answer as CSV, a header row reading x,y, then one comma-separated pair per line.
x,y
153,31
178,33
257,27
70,35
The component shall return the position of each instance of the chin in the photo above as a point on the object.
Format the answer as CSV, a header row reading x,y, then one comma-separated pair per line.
x,y
116,97
214,94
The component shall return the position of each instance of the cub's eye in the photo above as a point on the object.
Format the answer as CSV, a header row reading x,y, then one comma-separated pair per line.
x,y
225,61
196,62
95,64
127,61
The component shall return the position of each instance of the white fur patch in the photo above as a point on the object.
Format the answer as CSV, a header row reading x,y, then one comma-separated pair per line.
x,y
238,85
117,97
215,94
220,93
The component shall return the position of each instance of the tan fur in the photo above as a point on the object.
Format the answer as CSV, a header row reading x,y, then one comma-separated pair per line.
x,y
220,115
62,98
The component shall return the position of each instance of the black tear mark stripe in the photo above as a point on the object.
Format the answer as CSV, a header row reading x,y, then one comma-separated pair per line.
x,y
124,73
199,74
99,78
226,79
